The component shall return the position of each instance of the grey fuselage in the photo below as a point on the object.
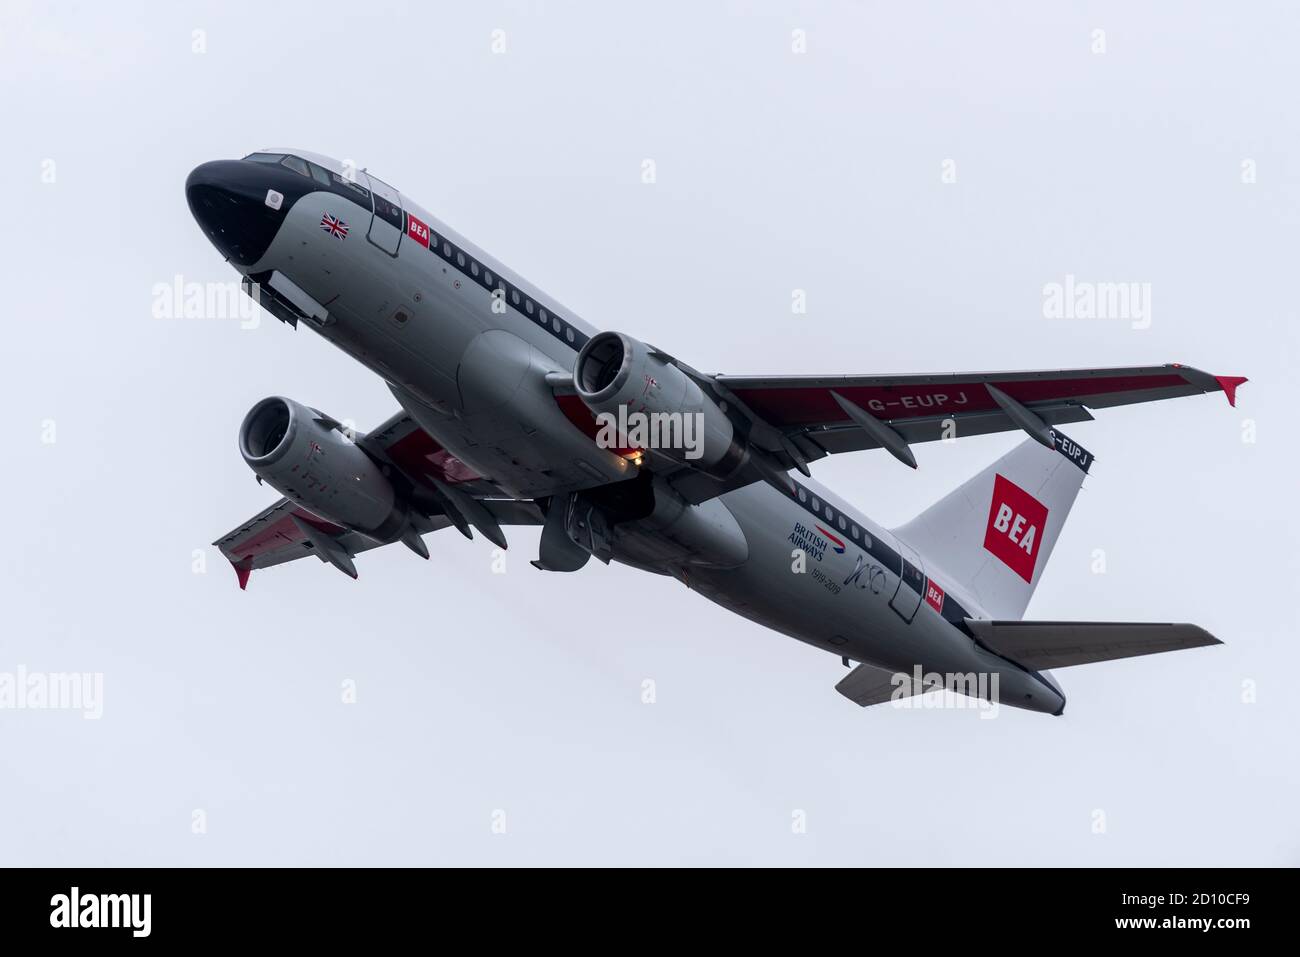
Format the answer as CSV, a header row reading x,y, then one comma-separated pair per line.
x,y
413,304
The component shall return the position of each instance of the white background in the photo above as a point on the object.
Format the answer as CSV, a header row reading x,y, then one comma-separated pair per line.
x,y
776,171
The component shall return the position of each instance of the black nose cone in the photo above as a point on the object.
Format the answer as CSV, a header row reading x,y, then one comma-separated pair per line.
x,y
241,205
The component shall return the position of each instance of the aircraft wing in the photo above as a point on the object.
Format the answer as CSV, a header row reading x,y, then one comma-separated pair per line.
x,y
796,418
285,531
272,537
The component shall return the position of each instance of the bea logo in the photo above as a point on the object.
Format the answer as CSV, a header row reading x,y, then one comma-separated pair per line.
x,y
417,230
1016,524
934,595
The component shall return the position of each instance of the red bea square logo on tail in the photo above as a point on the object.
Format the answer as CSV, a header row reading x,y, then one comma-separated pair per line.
x,y
1017,521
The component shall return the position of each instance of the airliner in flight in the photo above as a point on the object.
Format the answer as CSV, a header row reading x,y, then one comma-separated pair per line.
x,y
506,400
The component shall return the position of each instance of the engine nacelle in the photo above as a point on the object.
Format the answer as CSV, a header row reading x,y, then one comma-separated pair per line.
x,y
313,463
617,376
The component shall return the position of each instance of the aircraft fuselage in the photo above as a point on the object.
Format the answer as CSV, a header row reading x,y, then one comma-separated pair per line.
x,y
466,345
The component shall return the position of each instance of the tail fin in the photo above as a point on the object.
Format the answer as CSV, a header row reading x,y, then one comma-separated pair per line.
x,y
994,535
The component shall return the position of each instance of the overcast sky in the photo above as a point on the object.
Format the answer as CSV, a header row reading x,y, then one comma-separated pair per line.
x,y
1161,151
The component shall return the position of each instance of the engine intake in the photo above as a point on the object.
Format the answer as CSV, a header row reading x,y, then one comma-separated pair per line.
x,y
262,438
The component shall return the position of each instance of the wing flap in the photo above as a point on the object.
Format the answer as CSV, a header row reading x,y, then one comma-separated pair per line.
x,y
1037,645
848,438
817,443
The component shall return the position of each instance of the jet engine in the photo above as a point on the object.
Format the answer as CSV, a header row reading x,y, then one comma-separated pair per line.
x,y
617,376
306,457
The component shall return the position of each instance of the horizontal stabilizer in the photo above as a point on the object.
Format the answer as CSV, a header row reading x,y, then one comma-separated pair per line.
x,y
1059,644
866,685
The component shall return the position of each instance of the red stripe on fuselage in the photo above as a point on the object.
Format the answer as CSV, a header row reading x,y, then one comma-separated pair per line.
x,y
576,411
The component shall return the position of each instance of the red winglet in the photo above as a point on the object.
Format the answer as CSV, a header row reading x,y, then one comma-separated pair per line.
x,y
1229,383
243,569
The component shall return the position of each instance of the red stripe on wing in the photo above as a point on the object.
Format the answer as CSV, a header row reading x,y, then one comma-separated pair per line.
x,y
278,534
810,405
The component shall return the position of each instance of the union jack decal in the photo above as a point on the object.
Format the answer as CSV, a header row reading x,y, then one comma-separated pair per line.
x,y
334,226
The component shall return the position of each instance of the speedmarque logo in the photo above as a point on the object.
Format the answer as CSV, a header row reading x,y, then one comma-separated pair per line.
x,y
102,910
1015,528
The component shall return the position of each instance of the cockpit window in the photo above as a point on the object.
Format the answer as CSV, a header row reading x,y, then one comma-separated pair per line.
x,y
348,184
326,179
319,174
296,164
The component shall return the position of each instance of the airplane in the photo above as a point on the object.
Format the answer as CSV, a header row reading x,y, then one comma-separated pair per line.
x,y
506,408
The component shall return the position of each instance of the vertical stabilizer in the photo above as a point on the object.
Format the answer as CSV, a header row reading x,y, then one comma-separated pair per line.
x,y
994,534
